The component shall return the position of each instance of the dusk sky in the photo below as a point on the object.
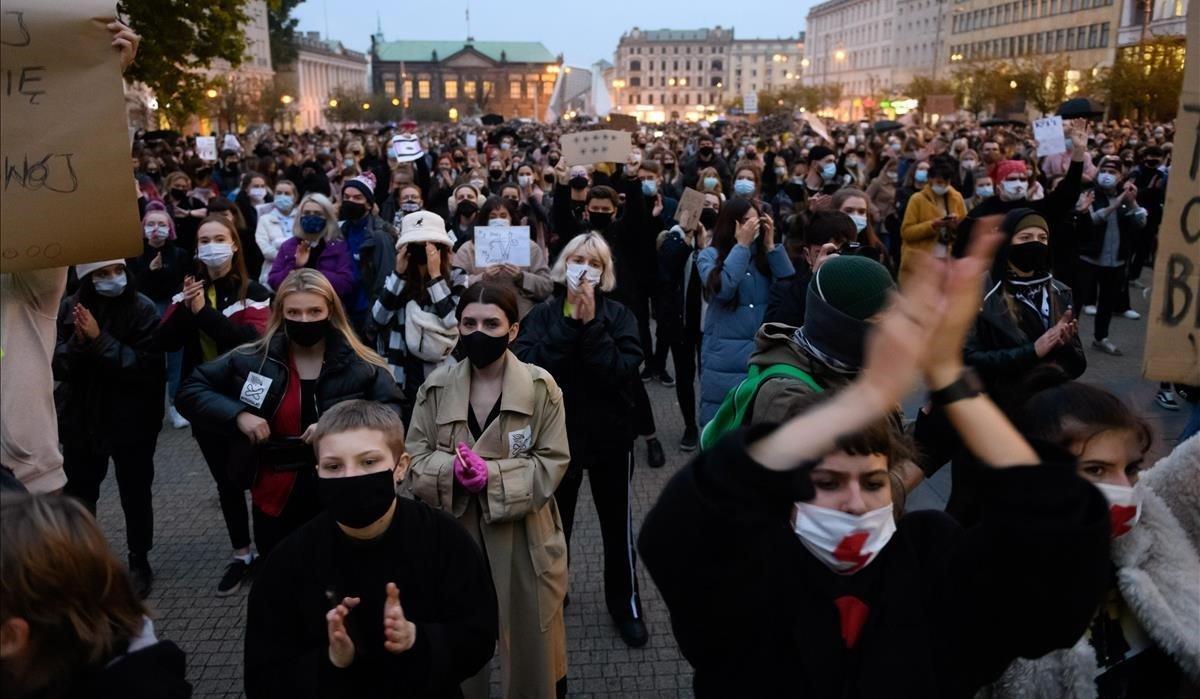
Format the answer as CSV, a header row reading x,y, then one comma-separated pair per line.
x,y
583,32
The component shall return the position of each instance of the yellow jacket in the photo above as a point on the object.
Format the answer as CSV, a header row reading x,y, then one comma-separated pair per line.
x,y
917,231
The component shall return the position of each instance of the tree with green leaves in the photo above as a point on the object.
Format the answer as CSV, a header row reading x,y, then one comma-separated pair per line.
x,y
1042,82
180,38
1146,79
922,87
281,25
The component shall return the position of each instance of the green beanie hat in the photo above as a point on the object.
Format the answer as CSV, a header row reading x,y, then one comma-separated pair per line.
x,y
857,286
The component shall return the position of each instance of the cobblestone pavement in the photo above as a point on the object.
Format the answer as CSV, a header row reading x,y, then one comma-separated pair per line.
x,y
191,550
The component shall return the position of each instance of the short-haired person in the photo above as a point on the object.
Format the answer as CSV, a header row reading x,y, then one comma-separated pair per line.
x,y
316,243
786,573
219,308
113,377
812,240
71,623
377,596
489,445
266,397
588,342
532,284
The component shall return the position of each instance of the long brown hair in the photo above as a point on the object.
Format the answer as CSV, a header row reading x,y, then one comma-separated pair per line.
x,y
237,270
312,281
60,576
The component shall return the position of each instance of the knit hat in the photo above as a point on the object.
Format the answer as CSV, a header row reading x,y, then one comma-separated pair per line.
x,y
364,183
1028,218
1007,167
87,268
423,227
817,152
855,285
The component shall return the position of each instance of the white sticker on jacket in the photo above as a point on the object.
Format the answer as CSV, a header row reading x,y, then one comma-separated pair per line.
x,y
254,391
520,442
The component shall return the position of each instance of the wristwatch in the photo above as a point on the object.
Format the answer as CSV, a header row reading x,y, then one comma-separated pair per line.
x,y
967,385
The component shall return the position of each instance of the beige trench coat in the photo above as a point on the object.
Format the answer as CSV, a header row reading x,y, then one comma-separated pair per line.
x,y
535,285
515,519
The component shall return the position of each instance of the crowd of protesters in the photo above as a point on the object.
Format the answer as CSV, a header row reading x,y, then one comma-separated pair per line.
x,y
414,427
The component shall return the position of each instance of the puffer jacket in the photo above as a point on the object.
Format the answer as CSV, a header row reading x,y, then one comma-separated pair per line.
x,y
210,397
734,314
595,364
112,387
231,322
329,257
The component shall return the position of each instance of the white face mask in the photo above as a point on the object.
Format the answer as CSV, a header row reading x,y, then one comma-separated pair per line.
x,y
860,221
524,180
499,222
968,164
110,287
1124,506
257,194
844,542
214,255
1106,180
1013,189
575,271
154,232
940,189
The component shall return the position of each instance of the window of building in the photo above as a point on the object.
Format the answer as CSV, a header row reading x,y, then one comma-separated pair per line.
x,y
1093,36
423,89
649,98
408,90
637,82
450,89
674,98
469,89
753,72
687,99
514,89
675,65
1104,35
635,65
547,87
389,87
488,90
631,99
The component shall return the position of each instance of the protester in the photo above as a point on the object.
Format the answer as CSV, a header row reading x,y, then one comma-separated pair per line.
x,y
252,194
819,609
819,237
185,207
377,595
276,225
72,623
588,342
111,382
931,216
316,243
219,309
532,284
497,475
372,246
738,270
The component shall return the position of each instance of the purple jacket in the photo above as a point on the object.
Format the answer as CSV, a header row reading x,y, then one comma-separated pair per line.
x,y
334,262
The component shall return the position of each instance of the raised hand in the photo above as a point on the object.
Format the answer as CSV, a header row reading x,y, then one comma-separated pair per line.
x,y
193,294
746,230
341,648
303,251
586,308
156,263
126,41
399,634
402,260
85,323
433,260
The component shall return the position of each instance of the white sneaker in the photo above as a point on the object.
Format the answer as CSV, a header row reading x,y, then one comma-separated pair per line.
x,y
1106,346
1132,314
1089,310
177,421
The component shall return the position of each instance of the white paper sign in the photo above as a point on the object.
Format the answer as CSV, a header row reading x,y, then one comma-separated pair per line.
x,y
818,127
500,245
590,147
231,142
750,103
1049,134
206,148
472,141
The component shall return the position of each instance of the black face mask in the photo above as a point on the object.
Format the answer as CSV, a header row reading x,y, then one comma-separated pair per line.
x,y
553,160
483,349
706,151
467,208
231,167
306,334
358,501
352,210
708,218
495,174
599,221
578,182
1030,258
179,194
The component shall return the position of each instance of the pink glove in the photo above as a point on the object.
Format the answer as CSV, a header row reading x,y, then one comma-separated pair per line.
x,y
469,469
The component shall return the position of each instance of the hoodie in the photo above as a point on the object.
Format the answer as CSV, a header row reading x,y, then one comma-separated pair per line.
x,y
781,398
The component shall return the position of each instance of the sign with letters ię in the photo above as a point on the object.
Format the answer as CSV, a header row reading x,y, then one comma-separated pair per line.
x,y
1173,338
64,138
590,147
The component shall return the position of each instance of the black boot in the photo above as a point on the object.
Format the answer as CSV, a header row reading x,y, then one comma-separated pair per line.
x,y
633,631
141,574
654,453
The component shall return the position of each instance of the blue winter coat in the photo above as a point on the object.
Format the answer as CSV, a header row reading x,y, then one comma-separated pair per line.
x,y
729,329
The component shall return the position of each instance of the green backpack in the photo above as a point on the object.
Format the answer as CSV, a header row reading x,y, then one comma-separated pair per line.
x,y
732,412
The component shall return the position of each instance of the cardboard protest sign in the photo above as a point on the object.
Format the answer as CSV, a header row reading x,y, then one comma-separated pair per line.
x,y
688,211
1173,338
750,103
63,133
206,148
590,147
1048,131
940,104
501,245
624,122
818,127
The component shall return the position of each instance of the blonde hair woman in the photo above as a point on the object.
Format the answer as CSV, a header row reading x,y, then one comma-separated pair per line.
x,y
269,394
72,623
589,342
316,243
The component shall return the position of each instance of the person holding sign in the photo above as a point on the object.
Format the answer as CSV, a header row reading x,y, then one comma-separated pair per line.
x,y
532,284
219,309
376,596
589,342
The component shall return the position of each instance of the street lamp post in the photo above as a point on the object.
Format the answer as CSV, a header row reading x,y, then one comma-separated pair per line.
x,y
617,85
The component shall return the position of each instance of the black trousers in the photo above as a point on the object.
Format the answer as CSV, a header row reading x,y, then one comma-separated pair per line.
x,y
610,476
86,469
641,311
685,353
1111,282
231,494
302,505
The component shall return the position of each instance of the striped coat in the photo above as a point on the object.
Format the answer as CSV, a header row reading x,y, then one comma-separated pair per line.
x,y
388,313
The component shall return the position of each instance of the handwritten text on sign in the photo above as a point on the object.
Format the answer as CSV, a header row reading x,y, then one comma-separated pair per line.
x,y
64,134
589,147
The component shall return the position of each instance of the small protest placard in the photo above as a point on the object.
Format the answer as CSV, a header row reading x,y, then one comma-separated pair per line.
x,y
818,127
206,148
502,245
624,122
472,141
590,147
750,103
688,211
1048,131
940,104
231,143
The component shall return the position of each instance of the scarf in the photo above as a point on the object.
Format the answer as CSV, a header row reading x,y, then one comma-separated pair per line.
x,y
1034,293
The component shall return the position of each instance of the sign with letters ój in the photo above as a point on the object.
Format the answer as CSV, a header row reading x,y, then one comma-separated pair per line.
x,y
591,147
501,245
63,136
1048,131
